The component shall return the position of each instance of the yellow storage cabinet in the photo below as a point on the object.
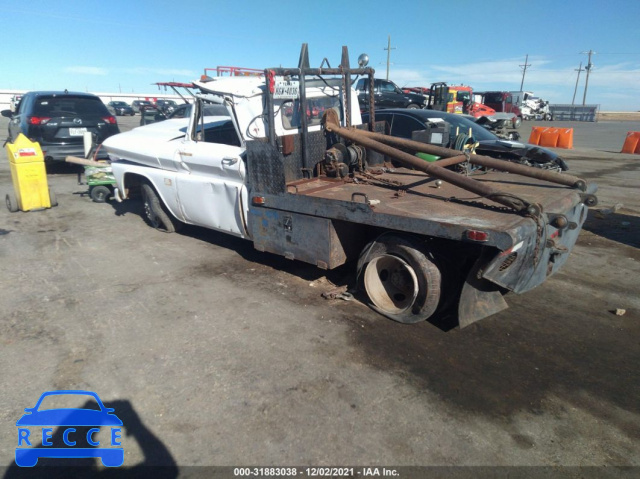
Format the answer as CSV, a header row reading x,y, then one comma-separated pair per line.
x,y
29,177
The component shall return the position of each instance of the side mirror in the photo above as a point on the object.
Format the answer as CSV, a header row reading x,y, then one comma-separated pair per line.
x,y
6,113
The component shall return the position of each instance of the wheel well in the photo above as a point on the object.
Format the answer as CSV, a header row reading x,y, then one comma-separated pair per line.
x,y
132,183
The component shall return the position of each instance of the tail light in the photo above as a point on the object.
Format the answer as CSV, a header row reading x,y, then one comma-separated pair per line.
x,y
110,119
477,235
38,120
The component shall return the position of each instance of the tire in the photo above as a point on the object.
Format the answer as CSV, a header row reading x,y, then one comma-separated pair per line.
x,y
400,279
12,202
562,164
99,193
517,121
413,106
154,211
52,199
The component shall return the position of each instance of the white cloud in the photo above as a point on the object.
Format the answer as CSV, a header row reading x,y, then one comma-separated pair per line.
x,y
163,72
83,70
548,80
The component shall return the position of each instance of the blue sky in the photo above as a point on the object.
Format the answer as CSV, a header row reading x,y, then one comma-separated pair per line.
x,y
116,45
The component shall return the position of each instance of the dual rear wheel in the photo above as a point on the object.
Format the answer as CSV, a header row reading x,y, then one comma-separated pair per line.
x,y
400,278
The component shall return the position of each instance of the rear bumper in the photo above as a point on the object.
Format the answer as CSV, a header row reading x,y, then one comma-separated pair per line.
x,y
60,152
541,252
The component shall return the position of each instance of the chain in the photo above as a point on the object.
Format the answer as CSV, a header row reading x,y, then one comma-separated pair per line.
x,y
369,179
539,231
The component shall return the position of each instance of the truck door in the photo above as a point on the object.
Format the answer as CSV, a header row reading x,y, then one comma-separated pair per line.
x,y
210,183
508,107
388,95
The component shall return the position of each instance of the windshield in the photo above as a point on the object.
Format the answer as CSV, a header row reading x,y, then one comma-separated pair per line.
x,y
493,97
461,124
463,95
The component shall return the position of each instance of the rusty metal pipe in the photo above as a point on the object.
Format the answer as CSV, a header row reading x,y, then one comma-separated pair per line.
x,y
431,169
481,160
453,160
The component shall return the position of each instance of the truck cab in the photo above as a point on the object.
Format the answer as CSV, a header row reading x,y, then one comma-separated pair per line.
x,y
196,167
506,102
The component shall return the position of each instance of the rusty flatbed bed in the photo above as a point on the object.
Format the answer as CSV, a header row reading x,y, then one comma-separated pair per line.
x,y
411,195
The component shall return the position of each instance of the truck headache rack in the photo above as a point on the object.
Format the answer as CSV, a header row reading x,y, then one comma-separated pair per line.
x,y
395,147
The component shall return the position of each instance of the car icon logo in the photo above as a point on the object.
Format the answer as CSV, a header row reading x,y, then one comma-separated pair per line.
x,y
69,421
77,121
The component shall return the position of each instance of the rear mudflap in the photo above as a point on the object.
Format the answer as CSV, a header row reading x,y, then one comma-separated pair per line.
x,y
479,298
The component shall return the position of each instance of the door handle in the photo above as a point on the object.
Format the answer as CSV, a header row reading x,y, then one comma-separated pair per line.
x,y
229,161
181,161
185,166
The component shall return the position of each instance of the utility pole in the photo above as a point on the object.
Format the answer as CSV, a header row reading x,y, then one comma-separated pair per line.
x,y
588,69
388,49
524,71
577,80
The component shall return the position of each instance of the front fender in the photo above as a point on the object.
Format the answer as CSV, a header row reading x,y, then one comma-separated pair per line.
x,y
129,176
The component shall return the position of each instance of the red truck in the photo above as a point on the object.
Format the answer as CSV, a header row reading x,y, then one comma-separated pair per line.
x,y
503,101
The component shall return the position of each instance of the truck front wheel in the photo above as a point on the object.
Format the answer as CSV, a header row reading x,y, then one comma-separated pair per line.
x,y
400,279
154,213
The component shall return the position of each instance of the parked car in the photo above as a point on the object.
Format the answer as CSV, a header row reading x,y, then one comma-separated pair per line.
x,y
150,114
120,108
404,122
166,106
14,103
388,95
136,104
58,121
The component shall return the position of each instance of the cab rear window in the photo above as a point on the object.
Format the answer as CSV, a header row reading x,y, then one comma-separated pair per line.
x,y
315,108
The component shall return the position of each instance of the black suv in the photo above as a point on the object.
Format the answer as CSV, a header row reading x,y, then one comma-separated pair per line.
x,y
58,121
387,94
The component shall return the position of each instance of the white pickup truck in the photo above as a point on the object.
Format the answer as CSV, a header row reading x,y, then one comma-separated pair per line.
x,y
291,169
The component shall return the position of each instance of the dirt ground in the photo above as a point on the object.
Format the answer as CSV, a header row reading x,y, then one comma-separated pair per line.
x,y
215,354
619,116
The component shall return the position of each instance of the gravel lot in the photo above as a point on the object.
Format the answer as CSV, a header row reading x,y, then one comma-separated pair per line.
x,y
215,354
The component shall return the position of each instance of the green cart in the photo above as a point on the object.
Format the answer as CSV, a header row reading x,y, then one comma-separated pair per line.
x,y
101,182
